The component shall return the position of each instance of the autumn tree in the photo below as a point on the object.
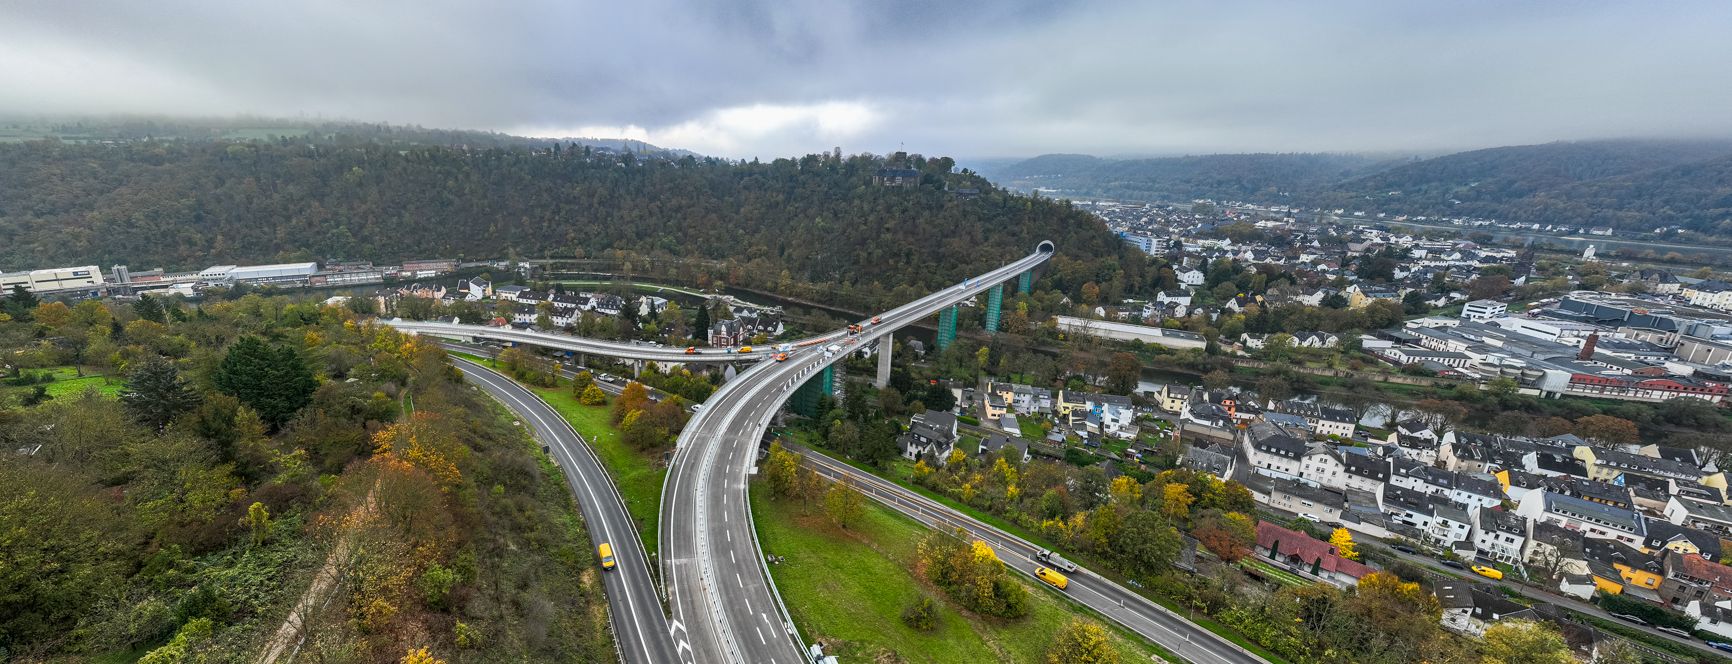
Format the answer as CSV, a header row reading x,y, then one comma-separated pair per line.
x,y
1607,429
634,397
592,396
1343,542
1145,543
582,381
1176,501
781,470
1548,427
1124,370
1524,642
1228,535
844,504
1082,642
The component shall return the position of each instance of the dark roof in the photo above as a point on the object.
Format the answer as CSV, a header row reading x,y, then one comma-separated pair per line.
x,y
993,443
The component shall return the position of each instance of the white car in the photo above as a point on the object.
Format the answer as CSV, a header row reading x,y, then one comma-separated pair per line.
x,y
1311,517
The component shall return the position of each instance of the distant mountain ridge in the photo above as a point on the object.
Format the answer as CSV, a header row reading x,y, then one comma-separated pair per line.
x,y
1637,185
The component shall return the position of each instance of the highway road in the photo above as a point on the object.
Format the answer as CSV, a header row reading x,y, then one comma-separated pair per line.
x,y
641,630
1148,619
724,607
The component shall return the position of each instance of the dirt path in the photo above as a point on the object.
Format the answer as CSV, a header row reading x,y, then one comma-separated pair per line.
x,y
289,635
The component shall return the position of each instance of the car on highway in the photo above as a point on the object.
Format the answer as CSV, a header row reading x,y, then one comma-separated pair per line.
x,y
605,553
1054,560
745,349
1674,631
1720,645
1488,572
1051,577
691,350
781,357
607,378
877,319
1629,618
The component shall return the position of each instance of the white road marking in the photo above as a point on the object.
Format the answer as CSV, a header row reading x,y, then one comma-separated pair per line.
x,y
760,635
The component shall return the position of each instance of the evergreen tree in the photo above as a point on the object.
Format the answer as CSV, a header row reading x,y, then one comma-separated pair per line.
x,y
155,393
701,323
19,304
272,380
148,308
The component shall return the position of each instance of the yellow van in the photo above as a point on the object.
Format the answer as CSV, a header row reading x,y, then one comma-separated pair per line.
x,y
745,349
605,552
1488,572
1051,577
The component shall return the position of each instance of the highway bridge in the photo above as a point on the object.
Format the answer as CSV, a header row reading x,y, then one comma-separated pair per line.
x,y
723,606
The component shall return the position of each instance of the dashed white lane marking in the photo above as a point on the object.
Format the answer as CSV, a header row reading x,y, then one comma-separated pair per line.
x,y
760,636
737,580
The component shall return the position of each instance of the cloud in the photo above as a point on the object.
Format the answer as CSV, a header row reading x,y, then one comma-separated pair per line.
x,y
767,78
772,129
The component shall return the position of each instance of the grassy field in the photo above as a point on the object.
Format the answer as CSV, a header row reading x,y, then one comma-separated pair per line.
x,y
67,383
638,476
847,589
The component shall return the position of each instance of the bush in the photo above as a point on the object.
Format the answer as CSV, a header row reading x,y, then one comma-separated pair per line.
x,y
466,636
968,419
921,615
436,585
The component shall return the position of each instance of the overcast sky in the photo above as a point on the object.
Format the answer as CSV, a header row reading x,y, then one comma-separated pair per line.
x,y
999,78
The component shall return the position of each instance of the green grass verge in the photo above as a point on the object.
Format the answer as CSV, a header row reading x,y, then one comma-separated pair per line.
x,y
638,476
902,474
847,588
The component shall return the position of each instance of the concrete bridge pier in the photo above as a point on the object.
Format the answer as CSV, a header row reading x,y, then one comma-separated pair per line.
x,y
885,344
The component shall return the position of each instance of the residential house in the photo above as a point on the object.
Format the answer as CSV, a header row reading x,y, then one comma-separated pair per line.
x,y
1449,524
1212,459
1324,420
1593,520
509,293
1309,557
994,445
477,289
1714,518
1273,451
1691,578
931,435
1172,398
1681,540
1622,569
1500,535
1555,549
1363,471
1322,465
1470,608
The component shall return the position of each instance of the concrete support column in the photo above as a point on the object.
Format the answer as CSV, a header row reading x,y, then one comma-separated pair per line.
x,y
946,327
636,368
994,308
885,344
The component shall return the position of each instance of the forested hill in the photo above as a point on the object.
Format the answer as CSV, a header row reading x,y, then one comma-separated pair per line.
x,y
1636,185
187,205
1219,176
1633,184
